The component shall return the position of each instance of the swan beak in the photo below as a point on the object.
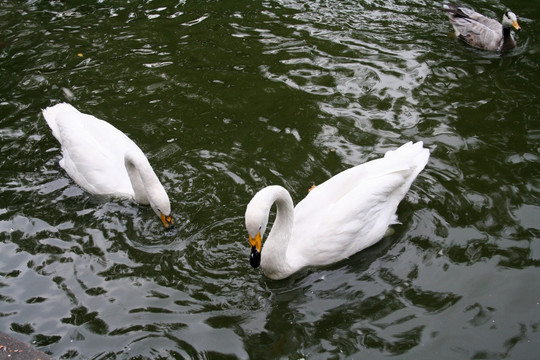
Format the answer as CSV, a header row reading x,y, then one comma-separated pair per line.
x,y
255,256
516,25
167,221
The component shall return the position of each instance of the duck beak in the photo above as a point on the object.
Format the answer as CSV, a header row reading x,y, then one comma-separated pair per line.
x,y
255,256
516,25
167,221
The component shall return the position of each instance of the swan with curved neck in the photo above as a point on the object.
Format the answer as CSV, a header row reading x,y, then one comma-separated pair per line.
x,y
480,31
104,161
347,213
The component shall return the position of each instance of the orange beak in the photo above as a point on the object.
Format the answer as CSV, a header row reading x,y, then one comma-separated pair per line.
x,y
256,241
167,221
255,255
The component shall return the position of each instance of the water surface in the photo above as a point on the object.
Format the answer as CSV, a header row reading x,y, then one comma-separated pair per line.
x,y
226,97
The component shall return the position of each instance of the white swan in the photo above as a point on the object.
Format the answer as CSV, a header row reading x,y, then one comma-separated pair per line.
x,y
347,213
480,31
104,161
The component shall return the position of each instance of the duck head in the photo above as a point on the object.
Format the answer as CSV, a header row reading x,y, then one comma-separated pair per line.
x,y
510,20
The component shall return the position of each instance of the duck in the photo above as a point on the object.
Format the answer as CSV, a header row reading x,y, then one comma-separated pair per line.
x,y
104,161
345,214
480,31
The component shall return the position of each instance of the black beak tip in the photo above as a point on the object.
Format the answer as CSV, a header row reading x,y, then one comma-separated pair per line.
x,y
255,257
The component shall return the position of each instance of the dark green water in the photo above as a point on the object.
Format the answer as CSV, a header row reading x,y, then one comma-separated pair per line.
x,y
226,97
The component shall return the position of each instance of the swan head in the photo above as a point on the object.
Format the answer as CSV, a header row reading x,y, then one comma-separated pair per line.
x,y
256,226
146,186
159,202
256,221
255,254
510,20
167,221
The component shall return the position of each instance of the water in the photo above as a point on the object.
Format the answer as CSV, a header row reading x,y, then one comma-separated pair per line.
x,y
228,97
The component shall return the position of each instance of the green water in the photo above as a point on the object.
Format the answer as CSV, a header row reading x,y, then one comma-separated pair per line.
x,y
226,97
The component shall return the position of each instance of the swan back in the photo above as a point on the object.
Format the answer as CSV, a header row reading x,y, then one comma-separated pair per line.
x,y
93,150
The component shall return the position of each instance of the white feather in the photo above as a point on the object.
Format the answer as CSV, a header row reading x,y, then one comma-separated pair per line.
x,y
103,160
347,213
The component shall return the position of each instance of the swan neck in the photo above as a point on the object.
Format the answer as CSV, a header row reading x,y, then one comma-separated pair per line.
x,y
274,259
141,175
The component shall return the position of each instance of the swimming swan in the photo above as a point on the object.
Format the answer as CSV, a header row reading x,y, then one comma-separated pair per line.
x,y
480,31
103,160
347,213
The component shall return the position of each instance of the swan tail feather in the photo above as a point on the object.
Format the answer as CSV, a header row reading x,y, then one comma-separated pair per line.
x,y
51,114
412,153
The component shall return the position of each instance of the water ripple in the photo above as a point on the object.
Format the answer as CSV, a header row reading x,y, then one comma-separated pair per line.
x,y
228,97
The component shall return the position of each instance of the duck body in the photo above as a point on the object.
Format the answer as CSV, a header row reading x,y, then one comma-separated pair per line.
x,y
103,160
340,217
480,31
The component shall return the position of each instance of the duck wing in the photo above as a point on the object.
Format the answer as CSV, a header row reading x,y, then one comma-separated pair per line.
x,y
473,15
474,28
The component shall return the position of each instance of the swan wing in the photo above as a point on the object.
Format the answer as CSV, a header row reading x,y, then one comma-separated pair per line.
x,y
93,150
352,210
